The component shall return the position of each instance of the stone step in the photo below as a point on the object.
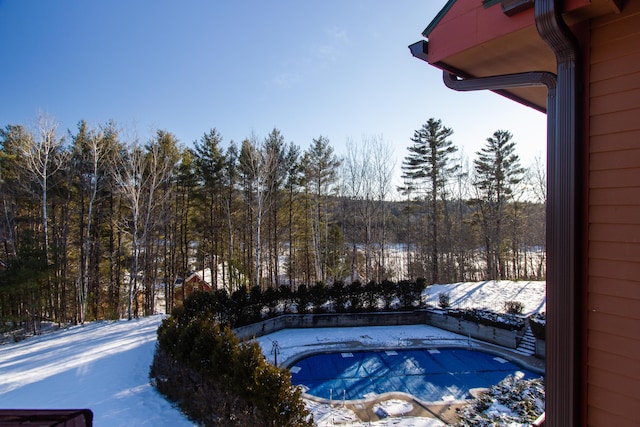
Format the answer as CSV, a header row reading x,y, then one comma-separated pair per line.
x,y
527,345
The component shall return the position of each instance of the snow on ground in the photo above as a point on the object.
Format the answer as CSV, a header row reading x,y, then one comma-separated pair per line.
x,y
392,407
490,294
104,366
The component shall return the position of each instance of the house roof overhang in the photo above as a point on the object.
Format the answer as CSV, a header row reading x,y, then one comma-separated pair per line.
x,y
481,38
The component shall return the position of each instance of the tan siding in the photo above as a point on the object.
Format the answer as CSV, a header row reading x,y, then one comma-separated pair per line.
x,y
624,383
624,289
624,47
620,101
613,322
614,363
617,141
604,417
615,68
614,344
615,31
620,121
625,178
621,408
615,85
614,269
608,196
615,214
616,26
616,159
614,232
615,251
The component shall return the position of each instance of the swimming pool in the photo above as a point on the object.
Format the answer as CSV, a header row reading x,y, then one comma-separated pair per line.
x,y
432,375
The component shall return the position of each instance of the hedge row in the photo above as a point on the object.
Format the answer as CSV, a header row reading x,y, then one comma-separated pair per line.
x,y
244,306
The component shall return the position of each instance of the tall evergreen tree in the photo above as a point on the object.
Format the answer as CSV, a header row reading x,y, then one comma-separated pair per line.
x,y
497,171
321,166
210,163
88,154
186,186
428,168
229,197
294,169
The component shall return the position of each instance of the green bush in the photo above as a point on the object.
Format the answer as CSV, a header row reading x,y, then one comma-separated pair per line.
x,y
193,346
355,296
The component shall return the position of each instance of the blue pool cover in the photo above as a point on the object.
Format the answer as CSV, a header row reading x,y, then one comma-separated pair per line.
x,y
431,375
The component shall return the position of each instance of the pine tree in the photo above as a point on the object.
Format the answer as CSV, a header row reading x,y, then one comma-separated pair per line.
x,y
210,163
320,169
497,171
427,169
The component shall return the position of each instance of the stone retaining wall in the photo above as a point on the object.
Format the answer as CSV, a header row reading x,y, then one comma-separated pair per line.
x,y
437,318
502,337
329,320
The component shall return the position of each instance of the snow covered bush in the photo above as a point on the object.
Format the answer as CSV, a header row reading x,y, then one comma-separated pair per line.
x,y
507,321
514,307
538,322
514,402
444,300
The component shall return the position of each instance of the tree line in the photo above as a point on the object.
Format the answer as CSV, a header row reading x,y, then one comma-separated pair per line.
x,y
98,222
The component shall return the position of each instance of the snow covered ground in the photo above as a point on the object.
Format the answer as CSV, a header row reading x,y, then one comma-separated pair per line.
x,y
104,366
490,294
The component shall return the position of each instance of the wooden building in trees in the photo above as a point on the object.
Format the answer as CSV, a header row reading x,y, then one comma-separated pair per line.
x,y
197,281
579,61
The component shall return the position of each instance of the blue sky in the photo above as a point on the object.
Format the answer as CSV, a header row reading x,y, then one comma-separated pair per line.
x,y
335,68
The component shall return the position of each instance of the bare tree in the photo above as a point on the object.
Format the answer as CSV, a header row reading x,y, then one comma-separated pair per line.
x,y
536,177
352,189
139,173
367,175
381,153
42,155
257,164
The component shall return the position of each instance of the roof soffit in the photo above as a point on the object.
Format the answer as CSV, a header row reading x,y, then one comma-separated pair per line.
x,y
478,38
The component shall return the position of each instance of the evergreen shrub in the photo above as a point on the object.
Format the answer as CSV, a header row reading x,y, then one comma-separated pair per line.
x,y
217,380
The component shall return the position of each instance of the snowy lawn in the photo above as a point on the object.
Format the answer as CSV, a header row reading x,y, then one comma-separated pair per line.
x,y
102,366
490,294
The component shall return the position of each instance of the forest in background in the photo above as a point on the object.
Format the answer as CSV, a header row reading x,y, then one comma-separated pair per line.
x,y
98,221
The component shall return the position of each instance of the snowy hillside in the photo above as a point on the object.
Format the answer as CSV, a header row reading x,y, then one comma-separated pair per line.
x,y
490,295
104,366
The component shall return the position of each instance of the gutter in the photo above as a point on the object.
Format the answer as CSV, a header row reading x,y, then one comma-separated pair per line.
x,y
420,50
562,359
563,380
